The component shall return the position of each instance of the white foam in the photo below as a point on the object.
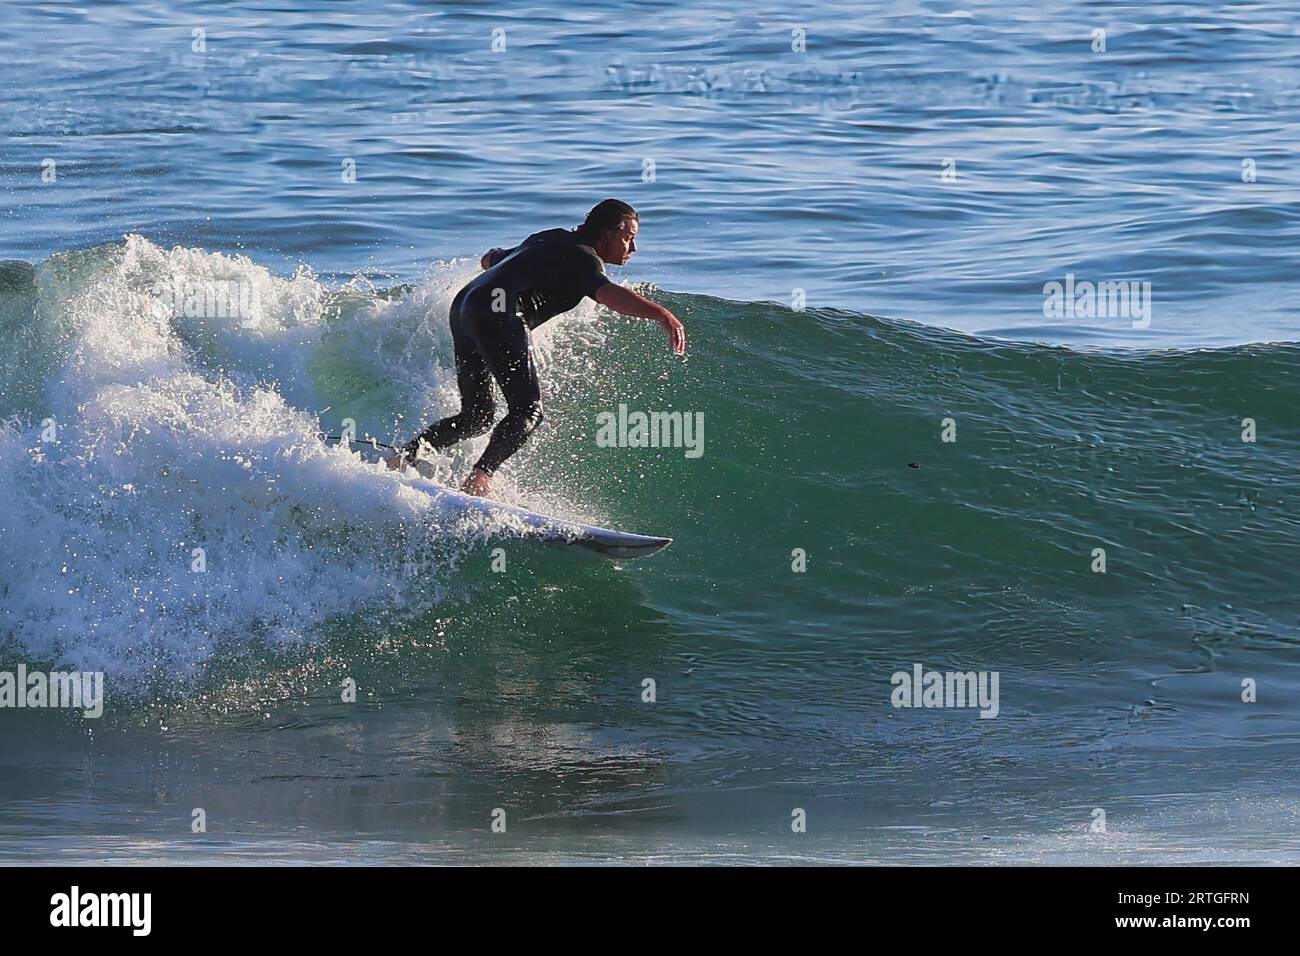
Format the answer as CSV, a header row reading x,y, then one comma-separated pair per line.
x,y
180,433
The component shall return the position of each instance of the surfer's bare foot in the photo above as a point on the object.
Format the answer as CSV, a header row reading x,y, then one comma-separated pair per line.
x,y
396,461
479,484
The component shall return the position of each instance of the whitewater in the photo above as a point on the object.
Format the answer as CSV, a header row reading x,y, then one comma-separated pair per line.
x,y
138,438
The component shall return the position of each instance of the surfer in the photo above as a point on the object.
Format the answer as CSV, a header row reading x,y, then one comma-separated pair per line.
x,y
493,315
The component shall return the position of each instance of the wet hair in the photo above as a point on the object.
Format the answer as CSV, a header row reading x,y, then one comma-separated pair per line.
x,y
605,215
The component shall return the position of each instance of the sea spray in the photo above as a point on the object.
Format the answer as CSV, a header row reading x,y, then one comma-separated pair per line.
x,y
166,494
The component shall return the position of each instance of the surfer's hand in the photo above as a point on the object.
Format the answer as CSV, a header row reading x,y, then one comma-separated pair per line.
x,y
620,299
676,333
395,462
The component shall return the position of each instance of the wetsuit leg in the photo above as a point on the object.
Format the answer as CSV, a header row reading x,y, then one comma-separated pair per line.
x,y
474,380
504,341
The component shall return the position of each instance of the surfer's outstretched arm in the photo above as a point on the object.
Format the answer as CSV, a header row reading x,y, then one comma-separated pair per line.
x,y
614,296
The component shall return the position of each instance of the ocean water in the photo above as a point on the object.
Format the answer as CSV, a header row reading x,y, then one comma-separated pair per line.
x,y
907,460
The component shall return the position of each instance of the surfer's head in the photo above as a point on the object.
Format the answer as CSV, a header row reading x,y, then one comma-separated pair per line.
x,y
610,228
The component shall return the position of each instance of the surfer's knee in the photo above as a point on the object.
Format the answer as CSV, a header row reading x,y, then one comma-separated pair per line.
x,y
478,422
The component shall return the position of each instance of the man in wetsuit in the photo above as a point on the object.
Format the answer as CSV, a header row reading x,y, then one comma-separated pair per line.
x,y
491,318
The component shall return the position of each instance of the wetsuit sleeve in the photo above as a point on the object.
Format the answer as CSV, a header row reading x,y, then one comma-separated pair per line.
x,y
590,275
506,252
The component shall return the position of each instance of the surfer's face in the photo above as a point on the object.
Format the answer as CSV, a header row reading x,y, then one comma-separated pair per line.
x,y
617,245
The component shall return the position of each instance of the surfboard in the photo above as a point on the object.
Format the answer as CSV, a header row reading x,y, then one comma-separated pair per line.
x,y
555,532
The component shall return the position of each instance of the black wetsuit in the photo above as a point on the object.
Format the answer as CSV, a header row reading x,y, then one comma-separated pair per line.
x,y
491,317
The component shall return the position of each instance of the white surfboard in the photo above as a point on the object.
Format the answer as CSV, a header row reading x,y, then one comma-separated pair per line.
x,y
557,532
